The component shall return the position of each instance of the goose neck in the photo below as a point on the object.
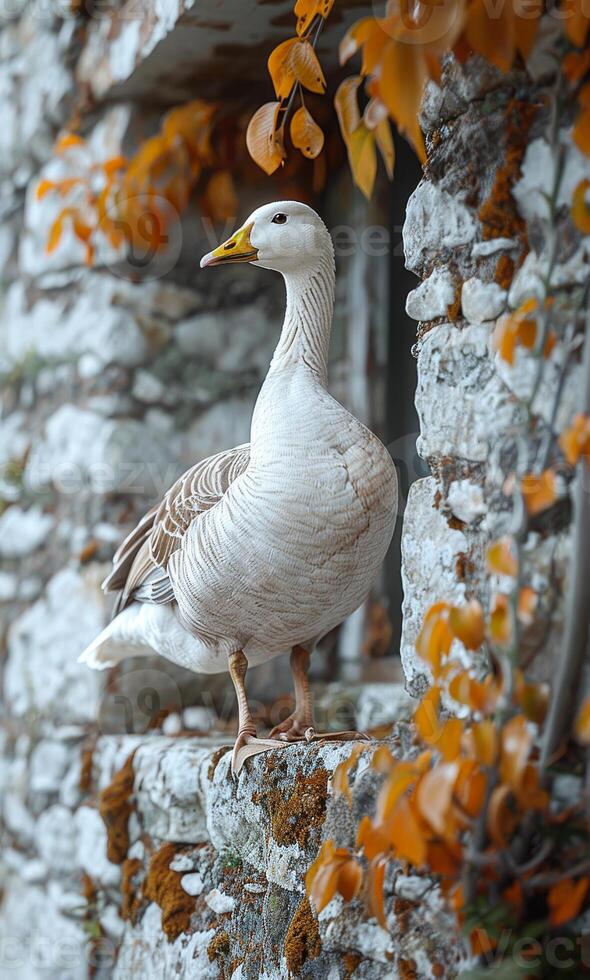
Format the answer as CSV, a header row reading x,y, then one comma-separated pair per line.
x,y
305,336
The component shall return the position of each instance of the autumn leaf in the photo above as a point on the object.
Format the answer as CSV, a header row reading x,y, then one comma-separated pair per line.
x,y
375,882
582,725
500,625
384,141
581,207
436,637
350,877
527,601
220,198
426,717
340,784
114,165
467,623
575,441
485,742
295,60
68,141
401,84
539,491
307,10
449,740
516,744
346,105
362,155
501,558
264,140
565,899
405,834
306,135
382,760
434,793
43,188
356,36
333,870
57,228
401,779
501,818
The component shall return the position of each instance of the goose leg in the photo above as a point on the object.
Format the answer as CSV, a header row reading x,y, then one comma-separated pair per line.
x,y
299,726
247,743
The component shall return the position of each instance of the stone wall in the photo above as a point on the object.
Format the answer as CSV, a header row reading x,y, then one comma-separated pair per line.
x,y
114,380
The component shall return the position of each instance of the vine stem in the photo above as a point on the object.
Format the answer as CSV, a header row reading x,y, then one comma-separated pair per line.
x,y
577,612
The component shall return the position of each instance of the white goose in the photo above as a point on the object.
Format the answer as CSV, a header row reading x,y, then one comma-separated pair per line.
x,y
261,550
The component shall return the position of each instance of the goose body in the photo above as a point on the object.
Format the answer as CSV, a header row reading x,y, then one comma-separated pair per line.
x,y
266,547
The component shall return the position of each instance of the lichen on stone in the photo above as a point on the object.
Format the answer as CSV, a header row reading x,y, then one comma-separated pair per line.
x,y
293,816
218,946
163,887
115,808
302,942
131,902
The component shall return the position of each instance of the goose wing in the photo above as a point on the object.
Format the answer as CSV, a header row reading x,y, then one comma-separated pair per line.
x,y
140,563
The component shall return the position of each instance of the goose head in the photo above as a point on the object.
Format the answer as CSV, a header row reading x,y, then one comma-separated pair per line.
x,y
288,237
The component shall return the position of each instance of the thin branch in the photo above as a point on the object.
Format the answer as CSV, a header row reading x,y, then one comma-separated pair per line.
x,y
577,613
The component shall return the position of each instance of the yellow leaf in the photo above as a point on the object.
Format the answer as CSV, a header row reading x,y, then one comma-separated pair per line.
x,y
114,164
403,776
220,198
355,37
386,145
426,717
306,135
581,207
501,559
492,35
264,140
307,10
350,878
346,105
449,740
340,784
582,727
527,600
363,159
43,188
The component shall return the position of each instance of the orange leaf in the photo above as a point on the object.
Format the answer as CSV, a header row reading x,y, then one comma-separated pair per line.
x,y
485,741
434,793
565,900
517,742
501,557
581,131
403,776
264,141
382,760
449,740
481,943
501,621
492,35
220,198
581,207
114,164
426,717
350,878
401,84
340,784
355,37
295,61
435,638
307,10
501,819
372,838
306,134
67,141
532,698
322,878
56,230
375,881
582,726
43,188
575,441
539,491
405,835
467,624
470,788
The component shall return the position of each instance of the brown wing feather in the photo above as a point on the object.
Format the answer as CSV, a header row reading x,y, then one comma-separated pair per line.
x,y
139,565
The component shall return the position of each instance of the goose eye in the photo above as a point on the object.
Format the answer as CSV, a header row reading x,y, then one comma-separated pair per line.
x,y
279,219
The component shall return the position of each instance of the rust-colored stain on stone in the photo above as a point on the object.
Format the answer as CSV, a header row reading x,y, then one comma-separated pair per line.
x,y
215,758
302,942
218,946
407,969
85,781
131,903
163,887
293,815
115,808
350,961
499,214
504,271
